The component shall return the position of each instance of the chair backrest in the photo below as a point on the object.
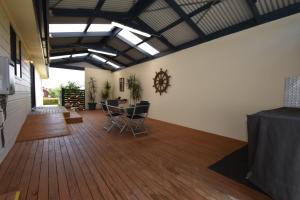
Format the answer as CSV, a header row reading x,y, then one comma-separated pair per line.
x,y
140,110
112,102
103,105
108,107
144,103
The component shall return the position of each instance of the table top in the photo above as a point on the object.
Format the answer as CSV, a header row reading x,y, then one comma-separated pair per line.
x,y
122,106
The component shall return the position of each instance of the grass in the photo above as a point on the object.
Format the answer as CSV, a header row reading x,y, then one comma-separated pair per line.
x,y
50,101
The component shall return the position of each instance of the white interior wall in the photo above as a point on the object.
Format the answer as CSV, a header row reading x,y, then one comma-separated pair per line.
x,y
216,84
101,76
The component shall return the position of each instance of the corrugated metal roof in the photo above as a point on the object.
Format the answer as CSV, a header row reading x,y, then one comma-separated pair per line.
x,y
63,50
157,44
99,20
74,4
67,20
63,41
223,15
123,60
118,44
66,50
117,5
189,6
180,34
52,3
135,54
266,6
158,15
91,39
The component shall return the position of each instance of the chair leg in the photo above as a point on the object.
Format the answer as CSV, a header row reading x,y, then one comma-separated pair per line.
x,y
108,129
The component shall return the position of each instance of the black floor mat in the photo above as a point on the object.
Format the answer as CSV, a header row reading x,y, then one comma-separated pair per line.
x,y
235,167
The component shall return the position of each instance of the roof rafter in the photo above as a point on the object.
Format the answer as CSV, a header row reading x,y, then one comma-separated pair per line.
x,y
65,12
85,46
64,66
186,18
92,18
254,11
195,12
80,34
139,7
121,53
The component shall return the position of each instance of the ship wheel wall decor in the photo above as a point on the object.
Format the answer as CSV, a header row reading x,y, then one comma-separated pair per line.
x,y
161,81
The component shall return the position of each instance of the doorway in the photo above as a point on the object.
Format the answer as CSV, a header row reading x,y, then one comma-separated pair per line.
x,y
32,82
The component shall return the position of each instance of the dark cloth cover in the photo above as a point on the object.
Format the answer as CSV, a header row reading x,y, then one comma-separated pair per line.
x,y
274,152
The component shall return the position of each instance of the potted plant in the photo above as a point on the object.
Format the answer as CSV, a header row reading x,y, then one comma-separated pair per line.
x,y
92,94
106,91
134,88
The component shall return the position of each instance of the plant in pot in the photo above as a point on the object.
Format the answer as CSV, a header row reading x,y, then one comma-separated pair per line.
x,y
106,91
135,89
92,94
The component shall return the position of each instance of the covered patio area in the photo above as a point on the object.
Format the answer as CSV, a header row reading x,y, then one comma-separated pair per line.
x,y
149,99
170,163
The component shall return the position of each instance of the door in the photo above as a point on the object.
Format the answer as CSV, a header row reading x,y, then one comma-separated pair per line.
x,y
32,81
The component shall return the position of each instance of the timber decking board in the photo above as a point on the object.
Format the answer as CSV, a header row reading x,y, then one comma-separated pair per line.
x,y
169,163
43,126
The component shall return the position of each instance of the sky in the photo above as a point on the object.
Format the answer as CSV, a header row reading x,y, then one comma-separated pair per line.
x,y
58,77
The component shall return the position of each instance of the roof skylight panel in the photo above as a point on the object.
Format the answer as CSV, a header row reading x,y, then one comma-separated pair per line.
x,y
100,28
133,30
66,28
79,55
148,49
102,52
113,65
59,57
98,58
129,37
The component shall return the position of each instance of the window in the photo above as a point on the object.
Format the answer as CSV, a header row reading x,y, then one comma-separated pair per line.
x,y
15,53
13,48
19,60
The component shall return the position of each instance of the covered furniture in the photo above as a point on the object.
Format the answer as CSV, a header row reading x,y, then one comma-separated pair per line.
x,y
274,152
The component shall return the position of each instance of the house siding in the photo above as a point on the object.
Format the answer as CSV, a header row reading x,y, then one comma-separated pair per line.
x,y
19,104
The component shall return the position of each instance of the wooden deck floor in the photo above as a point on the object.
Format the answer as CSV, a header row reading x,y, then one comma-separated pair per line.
x,y
169,163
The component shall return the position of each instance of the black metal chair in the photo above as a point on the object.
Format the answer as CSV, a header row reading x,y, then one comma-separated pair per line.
x,y
108,121
135,119
144,103
113,116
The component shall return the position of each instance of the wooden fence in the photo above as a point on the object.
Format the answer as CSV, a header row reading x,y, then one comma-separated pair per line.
x,y
75,98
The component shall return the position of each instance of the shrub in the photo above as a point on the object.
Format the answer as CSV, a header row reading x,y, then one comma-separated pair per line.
x,y
50,101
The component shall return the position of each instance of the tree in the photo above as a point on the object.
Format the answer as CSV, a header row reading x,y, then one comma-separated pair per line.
x,y
54,92
71,86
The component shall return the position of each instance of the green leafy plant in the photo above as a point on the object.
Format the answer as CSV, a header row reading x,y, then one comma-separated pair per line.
x,y
106,91
135,88
55,92
71,86
92,90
